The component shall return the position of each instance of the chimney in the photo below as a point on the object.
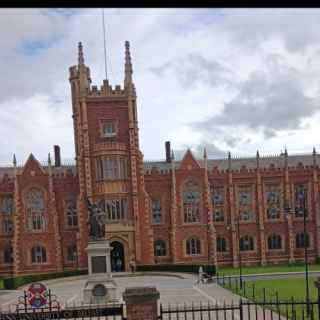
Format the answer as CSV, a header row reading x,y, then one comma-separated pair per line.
x,y
168,152
57,157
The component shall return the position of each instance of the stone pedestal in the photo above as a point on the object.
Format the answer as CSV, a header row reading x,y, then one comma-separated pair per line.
x,y
141,303
100,287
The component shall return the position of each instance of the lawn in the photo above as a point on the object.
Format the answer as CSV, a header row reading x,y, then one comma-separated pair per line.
x,y
277,290
266,269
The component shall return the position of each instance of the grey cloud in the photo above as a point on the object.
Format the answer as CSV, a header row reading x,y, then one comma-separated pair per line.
x,y
268,101
195,68
298,28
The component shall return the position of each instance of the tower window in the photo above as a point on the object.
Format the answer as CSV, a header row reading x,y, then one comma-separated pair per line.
x,y
116,209
72,217
156,211
109,129
191,202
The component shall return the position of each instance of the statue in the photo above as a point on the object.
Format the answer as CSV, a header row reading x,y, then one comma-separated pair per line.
x,y
96,220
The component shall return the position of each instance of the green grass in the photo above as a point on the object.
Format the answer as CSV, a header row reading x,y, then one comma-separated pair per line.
x,y
282,289
266,269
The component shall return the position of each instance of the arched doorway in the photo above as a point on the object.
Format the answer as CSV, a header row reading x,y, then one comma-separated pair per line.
x,y
117,257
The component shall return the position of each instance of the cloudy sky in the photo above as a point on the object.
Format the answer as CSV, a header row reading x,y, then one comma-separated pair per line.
x,y
226,79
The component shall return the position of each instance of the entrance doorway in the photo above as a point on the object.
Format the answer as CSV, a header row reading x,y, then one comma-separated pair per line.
x,y
117,257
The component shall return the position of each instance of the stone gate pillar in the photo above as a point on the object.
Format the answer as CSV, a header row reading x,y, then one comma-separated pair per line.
x,y
141,303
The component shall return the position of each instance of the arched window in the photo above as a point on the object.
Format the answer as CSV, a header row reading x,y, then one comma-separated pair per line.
x,y
72,253
193,246
8,255
221,244
191,202
35,209
38,254
159,248
302,239
246,243
274,242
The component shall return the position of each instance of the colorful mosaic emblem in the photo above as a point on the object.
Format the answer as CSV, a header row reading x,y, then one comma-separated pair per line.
x,y
37,295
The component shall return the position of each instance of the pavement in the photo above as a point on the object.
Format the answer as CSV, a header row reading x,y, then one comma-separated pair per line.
x,y
175,290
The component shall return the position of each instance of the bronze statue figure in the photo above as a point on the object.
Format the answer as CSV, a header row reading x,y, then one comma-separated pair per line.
x,y
96,220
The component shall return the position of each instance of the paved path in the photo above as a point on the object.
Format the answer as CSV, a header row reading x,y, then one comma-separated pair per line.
x,y
174,290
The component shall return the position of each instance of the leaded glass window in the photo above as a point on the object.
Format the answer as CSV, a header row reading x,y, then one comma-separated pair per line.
x,y
191,202
72,216
8,255
193,247
218,215
302,240
38,254
7,226
301,203
72,253
116,209
109,129
111,169
272,195
160,248
221,244
35,210
245,197
246,243
274,242
6,204
245,215
156,211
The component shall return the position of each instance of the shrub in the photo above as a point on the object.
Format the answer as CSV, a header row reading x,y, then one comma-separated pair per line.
x,y
189,268
16,282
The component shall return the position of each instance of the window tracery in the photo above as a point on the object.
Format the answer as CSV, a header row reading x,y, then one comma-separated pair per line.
x,y
273,201
191,202
35,210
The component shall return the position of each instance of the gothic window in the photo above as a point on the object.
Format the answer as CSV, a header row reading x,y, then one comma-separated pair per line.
x,y
273,201
221,244
302,239
191,202
6,204
109,129
301,197
245,198
156,211
72,217
218,215
274,242
273,213
38,254
159,248
217,196
193,247
8,255
7,226
116,209
244,215
246,243
35,210
111,169
72,253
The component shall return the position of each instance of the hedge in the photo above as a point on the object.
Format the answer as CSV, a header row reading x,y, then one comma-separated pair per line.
x,y
1,284
15,282
189,268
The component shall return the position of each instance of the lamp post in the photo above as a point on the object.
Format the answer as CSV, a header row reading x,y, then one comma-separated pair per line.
x,y
303,209
305,238
240,262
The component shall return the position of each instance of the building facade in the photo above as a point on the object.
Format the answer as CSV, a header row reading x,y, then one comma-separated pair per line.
x,y
190,211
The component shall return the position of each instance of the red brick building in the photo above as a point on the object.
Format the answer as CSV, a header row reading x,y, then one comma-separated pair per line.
x,y
193,210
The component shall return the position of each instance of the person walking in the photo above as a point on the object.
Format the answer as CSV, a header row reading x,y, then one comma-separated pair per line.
x,y
132,265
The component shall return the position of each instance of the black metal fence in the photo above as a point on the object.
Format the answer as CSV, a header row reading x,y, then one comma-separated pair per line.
x,y
244,310
269,299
